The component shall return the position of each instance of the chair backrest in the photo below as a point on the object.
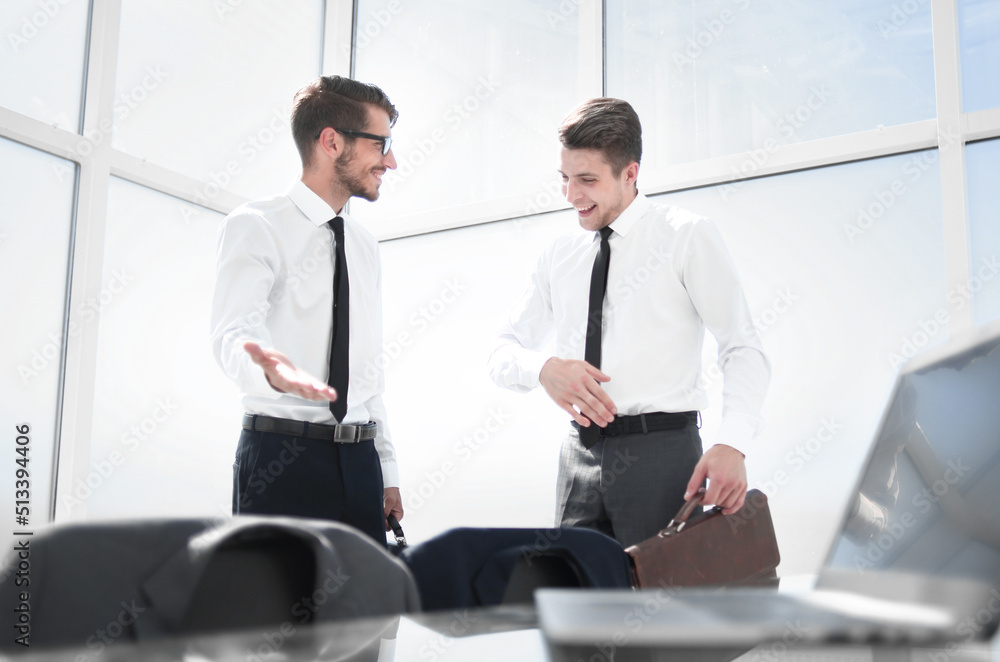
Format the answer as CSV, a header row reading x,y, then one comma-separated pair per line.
x,y
552,571
96,583
283,573
479,567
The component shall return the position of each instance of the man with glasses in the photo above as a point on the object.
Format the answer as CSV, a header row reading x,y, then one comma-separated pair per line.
x,y
297,322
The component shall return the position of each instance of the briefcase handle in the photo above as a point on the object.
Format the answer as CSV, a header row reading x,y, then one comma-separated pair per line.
x,y
397,530
676,525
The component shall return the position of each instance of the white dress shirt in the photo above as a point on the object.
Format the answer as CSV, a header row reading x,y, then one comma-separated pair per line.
x,y
670,277
275,287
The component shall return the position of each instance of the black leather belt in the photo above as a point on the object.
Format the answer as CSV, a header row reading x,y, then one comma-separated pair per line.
x,y
339,434
644,423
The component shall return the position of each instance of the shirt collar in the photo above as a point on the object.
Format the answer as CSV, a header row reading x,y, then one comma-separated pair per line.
x,y
314,207
628,218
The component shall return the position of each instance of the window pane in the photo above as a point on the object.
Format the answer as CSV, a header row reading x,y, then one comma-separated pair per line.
x,y
979,29
723,76
41,68
205,88
983,168
166,420
844,271
37,190
845,276
445,296
480,88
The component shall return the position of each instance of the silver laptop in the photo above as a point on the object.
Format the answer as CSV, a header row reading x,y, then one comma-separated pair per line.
x,y
916,559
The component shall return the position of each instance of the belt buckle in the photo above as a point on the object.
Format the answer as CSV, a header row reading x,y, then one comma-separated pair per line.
x,y
346,434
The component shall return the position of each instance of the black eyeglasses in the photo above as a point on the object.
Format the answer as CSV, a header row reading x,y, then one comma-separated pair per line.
x,y
385,140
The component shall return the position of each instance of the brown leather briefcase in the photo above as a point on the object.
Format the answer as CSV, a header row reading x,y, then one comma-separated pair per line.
x,y
707,548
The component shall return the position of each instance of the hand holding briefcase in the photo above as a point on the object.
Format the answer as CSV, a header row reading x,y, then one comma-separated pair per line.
x,y
707,548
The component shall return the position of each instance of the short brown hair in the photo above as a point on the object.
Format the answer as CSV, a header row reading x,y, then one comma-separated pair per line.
x,y
336,102
610,126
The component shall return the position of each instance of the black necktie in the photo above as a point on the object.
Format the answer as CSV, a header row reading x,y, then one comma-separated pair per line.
x,y
595,320
339,340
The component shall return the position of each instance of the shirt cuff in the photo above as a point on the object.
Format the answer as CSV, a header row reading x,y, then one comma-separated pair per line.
x,y
390,474
737,432
531,368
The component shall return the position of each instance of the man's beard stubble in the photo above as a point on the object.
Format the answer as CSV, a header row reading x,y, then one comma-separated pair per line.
x,y
351,182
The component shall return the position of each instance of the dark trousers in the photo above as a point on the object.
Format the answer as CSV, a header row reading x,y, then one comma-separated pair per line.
x,y
627,486
280,474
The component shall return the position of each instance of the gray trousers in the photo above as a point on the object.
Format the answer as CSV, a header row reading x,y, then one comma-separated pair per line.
x,y
626,486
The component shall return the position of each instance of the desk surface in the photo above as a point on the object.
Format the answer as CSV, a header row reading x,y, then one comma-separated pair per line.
x,y
483,635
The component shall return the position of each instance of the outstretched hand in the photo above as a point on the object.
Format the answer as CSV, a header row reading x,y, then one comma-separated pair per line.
x,y
283,376
726,472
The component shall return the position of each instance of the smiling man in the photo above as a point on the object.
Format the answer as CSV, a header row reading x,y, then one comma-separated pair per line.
x,y
297,322
628,302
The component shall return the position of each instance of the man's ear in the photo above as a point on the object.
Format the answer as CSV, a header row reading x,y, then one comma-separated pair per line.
x,y
330,143
631,173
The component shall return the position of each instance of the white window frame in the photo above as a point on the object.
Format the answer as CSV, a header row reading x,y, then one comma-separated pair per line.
x,y
71,456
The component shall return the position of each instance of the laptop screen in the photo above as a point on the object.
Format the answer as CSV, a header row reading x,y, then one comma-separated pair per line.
x,y
928,501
